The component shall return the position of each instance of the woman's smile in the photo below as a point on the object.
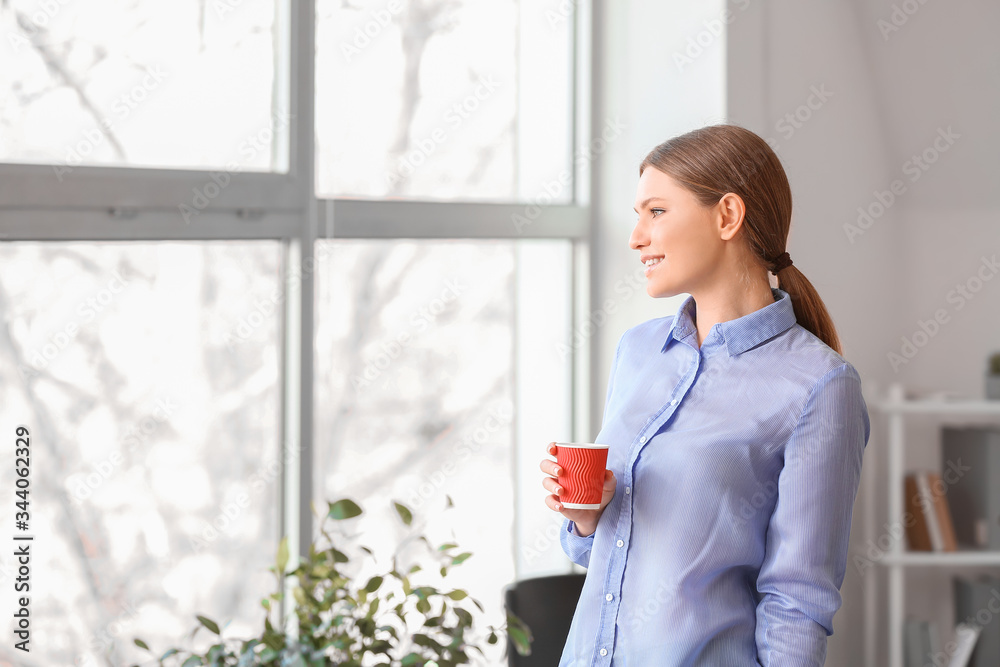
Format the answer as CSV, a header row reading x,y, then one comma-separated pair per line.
x,y
651,262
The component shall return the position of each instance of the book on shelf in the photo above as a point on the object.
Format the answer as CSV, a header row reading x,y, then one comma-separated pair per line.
x,y
970,455
975,599
916,644
966,635
921,643
930,526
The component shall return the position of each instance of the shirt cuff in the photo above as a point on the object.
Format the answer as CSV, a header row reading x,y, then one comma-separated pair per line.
x,y
576,547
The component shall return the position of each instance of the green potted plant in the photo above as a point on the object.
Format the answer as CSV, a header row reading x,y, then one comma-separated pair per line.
x,y
993,377
388,619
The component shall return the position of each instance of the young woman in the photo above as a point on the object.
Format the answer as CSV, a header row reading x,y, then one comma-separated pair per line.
x,y
736,433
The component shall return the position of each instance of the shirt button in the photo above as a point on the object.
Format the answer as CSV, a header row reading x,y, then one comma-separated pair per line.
x,y
609,597
673,402
628,489
620,543
604,651
642,439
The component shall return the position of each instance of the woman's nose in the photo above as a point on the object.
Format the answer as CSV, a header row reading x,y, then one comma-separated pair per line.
x,y
638,237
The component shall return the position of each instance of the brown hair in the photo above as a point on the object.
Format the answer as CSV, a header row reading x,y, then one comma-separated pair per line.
x,y
715,160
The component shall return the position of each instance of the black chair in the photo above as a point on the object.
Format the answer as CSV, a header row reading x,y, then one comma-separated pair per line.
x,y
546,605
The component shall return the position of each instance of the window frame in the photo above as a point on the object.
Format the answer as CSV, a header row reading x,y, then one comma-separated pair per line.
x,y
125,203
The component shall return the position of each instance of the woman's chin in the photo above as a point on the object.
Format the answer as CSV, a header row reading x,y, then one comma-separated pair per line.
x,y
658,290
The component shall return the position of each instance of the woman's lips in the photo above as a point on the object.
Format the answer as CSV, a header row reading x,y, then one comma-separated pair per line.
x,y
649,269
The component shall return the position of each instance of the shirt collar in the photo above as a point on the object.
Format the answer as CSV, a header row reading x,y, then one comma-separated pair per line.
x,y
744,332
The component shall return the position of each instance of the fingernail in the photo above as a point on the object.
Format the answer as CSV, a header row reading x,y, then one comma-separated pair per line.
x,y
559,491
558,471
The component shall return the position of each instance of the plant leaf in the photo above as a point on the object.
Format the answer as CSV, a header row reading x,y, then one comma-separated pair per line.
x,y
458,594
343,509
521,640
282,559
404,513
210,624
141,644
373,584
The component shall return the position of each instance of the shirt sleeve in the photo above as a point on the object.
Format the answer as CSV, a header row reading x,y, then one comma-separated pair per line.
x,y
807,537
576,547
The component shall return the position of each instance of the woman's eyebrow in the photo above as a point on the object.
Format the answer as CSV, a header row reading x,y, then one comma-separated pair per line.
x,y
646,202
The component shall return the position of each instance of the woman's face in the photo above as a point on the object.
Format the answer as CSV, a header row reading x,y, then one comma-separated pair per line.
x,y
675,229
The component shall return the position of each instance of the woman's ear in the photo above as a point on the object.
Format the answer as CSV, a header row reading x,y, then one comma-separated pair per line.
x,y
731,212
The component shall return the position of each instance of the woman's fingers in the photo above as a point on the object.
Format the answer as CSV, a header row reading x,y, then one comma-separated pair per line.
x,y
552,485
550,467
553,503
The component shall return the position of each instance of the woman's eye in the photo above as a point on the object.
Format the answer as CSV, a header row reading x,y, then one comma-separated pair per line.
x,y
656,211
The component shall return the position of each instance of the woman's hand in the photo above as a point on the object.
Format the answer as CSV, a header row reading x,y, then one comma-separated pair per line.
x,y
585,520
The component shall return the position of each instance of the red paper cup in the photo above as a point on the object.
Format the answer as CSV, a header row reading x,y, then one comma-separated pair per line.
x,y
582,480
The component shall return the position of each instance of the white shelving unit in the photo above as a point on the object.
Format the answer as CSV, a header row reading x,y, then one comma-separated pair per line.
x,y
895,409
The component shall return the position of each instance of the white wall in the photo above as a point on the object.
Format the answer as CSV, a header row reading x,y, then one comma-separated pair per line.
x,y
890,93
649,84
655,99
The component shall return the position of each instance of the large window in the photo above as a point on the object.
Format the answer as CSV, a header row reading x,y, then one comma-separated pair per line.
x,y
181,84
149,381
451,99
257,253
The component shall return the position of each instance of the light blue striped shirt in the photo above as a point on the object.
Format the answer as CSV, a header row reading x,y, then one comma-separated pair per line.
x,y
738,465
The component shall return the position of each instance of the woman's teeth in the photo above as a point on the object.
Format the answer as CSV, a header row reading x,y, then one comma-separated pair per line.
x,y
653,262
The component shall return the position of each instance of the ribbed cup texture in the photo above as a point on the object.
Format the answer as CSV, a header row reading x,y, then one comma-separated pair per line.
x,y
583,474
